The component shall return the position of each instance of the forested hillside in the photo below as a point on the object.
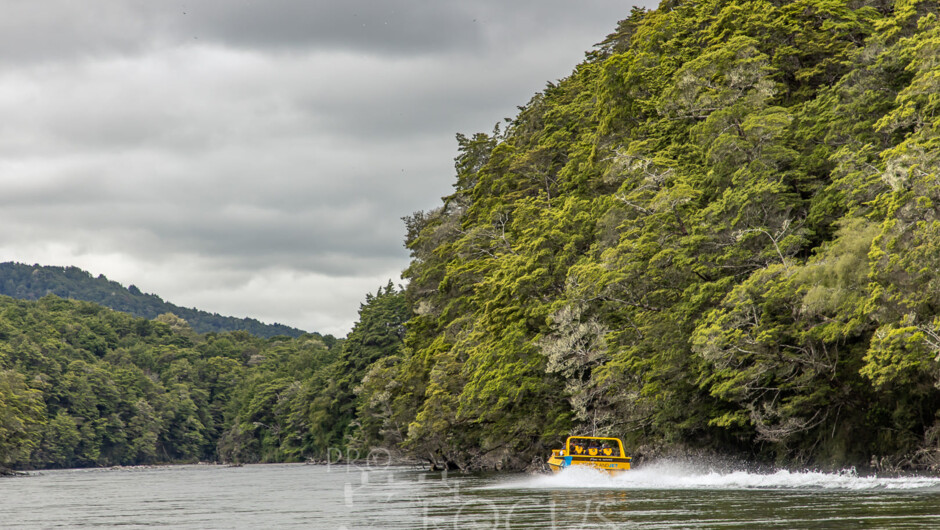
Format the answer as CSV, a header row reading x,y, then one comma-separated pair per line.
x,y
32,282
83,385
719,233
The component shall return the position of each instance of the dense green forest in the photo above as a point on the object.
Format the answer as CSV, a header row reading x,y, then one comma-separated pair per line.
x,y
32,282
83,385
719,234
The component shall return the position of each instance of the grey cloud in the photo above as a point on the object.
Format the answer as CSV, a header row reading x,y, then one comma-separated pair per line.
x,y
248,247
386,28
54,30
390,27
281,147
57,30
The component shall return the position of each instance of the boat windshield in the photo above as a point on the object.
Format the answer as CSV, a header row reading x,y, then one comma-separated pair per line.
x,y
593,447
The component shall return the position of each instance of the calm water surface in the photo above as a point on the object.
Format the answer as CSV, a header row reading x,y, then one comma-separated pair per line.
x,y
664,495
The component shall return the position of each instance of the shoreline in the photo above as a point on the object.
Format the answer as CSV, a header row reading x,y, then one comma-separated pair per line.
x,y
720,468
7,472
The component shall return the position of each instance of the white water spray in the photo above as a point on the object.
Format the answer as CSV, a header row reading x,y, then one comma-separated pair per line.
x,y
668,475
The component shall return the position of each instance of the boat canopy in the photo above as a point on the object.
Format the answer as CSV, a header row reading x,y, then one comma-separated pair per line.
x,y
593,446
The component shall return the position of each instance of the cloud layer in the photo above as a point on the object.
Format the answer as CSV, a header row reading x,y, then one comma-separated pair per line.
x,y
254,158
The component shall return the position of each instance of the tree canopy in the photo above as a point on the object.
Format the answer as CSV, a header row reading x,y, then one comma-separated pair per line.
x,y
32,282
718,233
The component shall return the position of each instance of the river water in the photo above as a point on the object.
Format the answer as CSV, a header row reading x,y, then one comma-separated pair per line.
x,y
660,495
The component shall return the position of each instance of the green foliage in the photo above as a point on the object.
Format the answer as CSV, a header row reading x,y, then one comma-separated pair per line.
x,y
719,231
299,400
82,385
32,282
21,417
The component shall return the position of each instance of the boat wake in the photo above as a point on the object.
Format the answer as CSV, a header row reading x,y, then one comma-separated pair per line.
x,y
666,475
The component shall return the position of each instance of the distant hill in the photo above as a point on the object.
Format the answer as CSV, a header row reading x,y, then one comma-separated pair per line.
x,y
32,282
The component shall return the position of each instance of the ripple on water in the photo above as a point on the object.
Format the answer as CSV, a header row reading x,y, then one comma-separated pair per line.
x,y
662,495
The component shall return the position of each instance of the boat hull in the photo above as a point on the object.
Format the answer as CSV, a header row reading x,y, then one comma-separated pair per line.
x,y
609,465
596,452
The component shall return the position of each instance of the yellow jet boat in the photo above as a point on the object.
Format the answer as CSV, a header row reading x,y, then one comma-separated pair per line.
x,y
603,454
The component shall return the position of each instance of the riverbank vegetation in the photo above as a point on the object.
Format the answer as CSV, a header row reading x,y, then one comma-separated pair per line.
x,y
82,385
720,233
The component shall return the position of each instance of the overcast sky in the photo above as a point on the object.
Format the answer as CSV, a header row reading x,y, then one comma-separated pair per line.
x,y
255,157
